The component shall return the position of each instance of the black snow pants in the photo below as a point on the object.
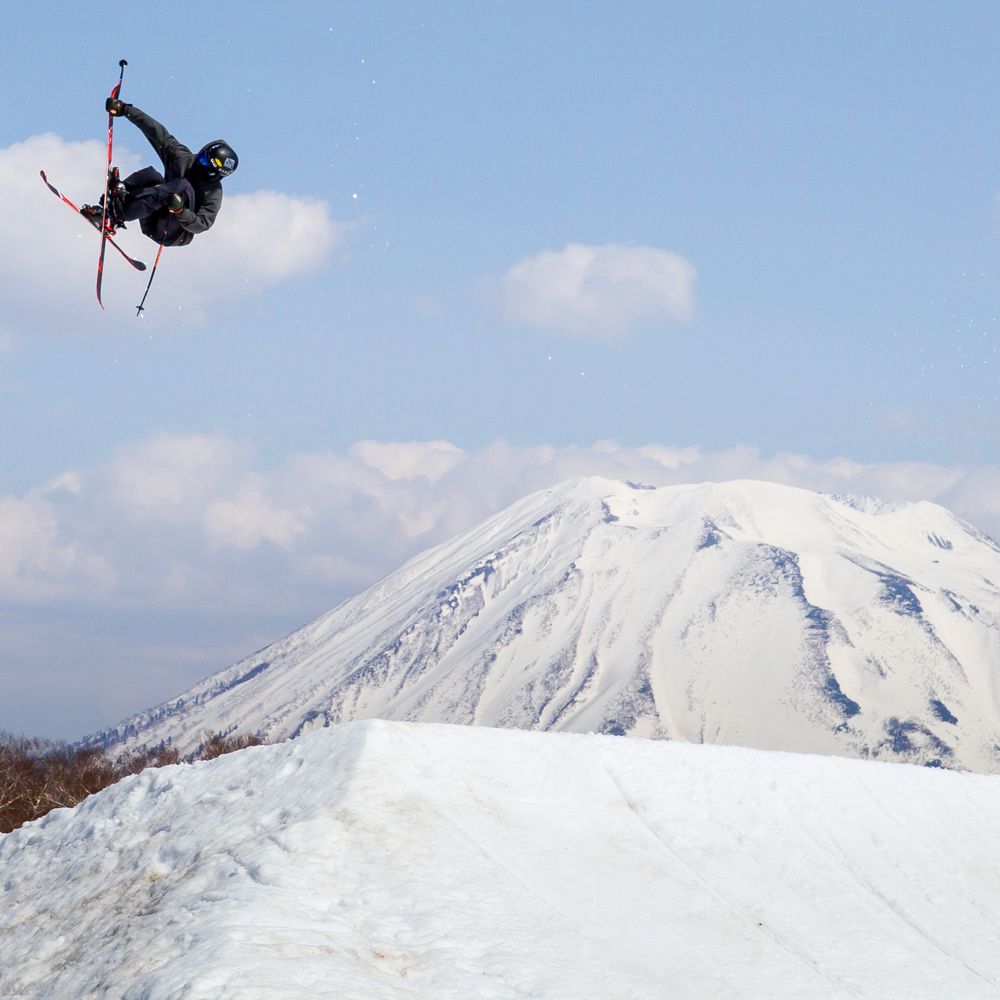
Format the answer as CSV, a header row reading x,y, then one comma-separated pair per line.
x,y
146,201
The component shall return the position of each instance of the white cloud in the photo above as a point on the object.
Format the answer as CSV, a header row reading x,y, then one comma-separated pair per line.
x,y
65,482
407,460
170,477
28,545
249,519
601,292
260,239
39,561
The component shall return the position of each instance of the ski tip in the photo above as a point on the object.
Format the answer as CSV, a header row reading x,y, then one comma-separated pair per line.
x,y
48,183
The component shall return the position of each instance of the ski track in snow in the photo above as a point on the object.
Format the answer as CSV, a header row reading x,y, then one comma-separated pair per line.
x,y
382,860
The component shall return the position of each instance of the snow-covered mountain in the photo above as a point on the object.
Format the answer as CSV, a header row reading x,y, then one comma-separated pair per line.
x,y
382,861
741,613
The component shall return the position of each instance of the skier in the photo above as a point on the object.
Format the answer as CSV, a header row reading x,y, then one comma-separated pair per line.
x,y
173,206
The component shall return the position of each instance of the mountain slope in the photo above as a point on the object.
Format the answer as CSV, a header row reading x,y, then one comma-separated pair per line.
x,y
377,861
742,613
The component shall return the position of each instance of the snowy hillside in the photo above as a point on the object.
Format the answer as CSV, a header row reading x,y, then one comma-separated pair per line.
x,y
377,861
741,613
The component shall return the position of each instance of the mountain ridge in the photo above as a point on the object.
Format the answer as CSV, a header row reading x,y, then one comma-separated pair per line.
x,y
741,612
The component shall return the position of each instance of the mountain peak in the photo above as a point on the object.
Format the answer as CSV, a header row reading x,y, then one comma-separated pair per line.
x,y
741,612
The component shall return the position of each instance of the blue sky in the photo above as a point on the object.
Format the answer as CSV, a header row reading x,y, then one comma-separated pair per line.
x,y
471,248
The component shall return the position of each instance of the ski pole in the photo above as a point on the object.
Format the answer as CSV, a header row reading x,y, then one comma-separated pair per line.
x,y
138,308
115,91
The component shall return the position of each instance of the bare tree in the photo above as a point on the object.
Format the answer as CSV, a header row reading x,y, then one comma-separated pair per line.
x,y
38,775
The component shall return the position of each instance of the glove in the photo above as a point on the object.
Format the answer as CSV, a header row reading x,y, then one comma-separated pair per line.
x,y
175,204
116,108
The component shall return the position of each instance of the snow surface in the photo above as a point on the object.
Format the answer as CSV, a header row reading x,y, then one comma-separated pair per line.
x,y
739,613
378,860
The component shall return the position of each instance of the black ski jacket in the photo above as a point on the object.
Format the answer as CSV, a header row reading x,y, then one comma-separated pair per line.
x,y
180,162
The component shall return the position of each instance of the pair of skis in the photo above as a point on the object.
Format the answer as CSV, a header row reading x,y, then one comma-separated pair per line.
x,y
106,229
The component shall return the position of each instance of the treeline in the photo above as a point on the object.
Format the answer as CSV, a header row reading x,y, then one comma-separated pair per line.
x,y
38,775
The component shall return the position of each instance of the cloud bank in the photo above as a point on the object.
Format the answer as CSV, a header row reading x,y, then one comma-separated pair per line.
x,y
261,239
171,518
600,292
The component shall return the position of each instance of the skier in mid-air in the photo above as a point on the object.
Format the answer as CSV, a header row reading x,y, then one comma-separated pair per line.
x,y
174,206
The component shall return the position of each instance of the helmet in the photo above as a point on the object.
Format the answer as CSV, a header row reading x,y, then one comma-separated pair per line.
x,y
218,159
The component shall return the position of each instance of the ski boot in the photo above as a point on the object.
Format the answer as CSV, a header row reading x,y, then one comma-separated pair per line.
x,y
116,206
116,199
94,214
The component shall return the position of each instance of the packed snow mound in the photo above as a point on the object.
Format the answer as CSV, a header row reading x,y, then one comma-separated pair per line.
x,y
741,613
377,861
